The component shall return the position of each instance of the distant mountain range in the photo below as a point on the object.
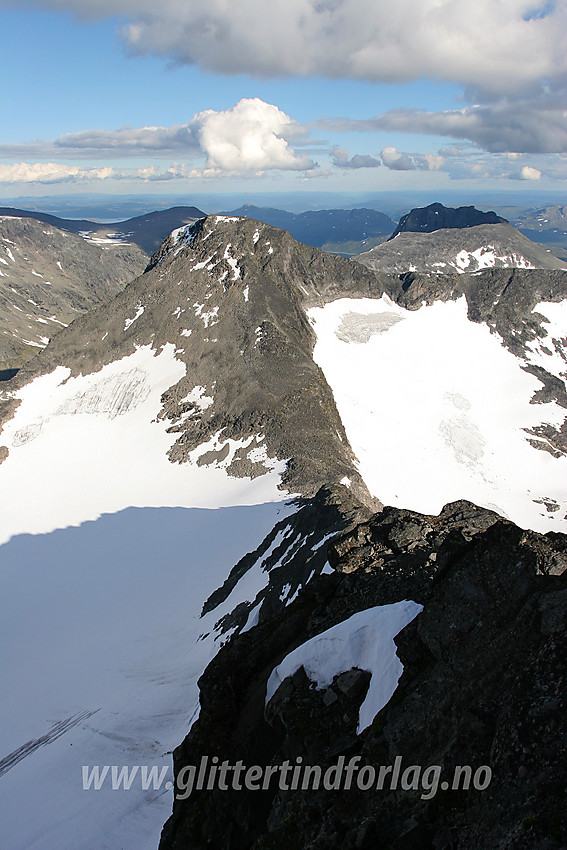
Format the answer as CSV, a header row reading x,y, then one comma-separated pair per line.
x,y
146,231
344,232
546,225
52,269
439,239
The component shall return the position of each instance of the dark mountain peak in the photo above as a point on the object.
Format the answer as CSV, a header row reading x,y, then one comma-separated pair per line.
x,y
437,217
230,294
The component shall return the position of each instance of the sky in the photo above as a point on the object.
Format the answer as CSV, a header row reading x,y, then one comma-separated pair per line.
x,y
133,96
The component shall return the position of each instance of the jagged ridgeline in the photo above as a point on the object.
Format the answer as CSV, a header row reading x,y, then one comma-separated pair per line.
x,y
194,472
231,296
482,687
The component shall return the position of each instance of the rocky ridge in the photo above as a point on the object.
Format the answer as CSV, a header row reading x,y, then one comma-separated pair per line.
x,y
231,295
483,684
146,231
458,251
340,231
48,277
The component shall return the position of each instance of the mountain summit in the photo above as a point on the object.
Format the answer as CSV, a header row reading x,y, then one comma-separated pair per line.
x,y
437,217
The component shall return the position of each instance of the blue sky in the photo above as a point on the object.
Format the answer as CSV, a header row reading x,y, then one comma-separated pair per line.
x,y
333,95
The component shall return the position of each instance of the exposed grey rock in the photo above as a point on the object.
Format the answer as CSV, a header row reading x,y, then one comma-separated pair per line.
x,y
330,697
231,297
301,554
459,250
146,231
48,277
341,231
353,683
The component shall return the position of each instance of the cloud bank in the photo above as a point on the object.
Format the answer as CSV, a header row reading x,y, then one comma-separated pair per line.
x,y
50,173
526,125
249,138
501,47
396,161
341,159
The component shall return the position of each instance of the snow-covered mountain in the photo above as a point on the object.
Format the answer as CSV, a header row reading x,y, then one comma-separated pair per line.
x,y
49,276
177,462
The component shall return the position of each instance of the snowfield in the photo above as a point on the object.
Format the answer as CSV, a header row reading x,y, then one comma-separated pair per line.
x,y
435,409
110,551
80,447
101,633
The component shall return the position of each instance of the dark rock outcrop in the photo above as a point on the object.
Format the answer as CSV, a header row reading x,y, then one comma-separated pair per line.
x,y
483,685
437,217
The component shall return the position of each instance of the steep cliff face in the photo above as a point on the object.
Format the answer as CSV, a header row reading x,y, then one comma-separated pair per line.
x,y
482,686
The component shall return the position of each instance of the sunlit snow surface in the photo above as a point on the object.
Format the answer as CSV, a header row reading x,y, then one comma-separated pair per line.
x,y
100,630
80,447
551,351
434,407
366,641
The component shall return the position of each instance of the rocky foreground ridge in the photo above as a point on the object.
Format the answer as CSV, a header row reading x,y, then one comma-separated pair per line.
x,y
483,684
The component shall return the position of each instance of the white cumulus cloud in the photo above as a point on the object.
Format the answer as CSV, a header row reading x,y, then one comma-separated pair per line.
x,y
53,172
50,172
250,137
341,159
397,161
529,173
